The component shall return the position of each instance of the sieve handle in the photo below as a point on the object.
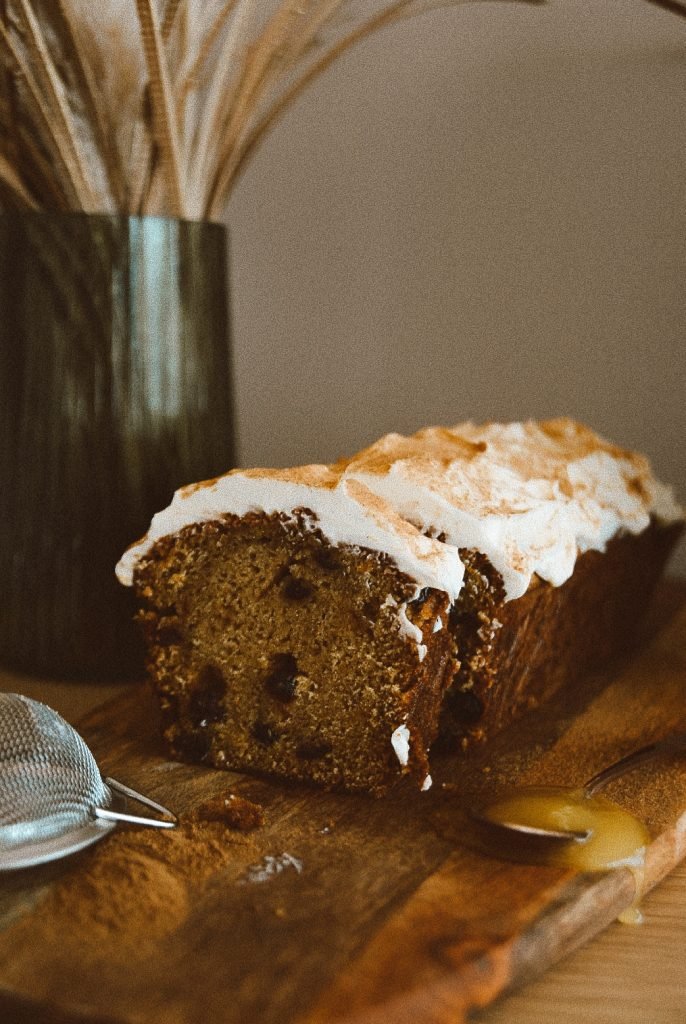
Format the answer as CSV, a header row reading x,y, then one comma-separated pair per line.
x,y
168,819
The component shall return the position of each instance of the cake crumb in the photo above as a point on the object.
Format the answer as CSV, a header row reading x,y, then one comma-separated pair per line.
x,y
233,811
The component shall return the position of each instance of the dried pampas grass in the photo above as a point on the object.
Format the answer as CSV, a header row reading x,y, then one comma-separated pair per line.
x,y
156,106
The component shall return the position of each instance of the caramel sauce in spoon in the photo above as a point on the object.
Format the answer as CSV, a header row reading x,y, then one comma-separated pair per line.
x,y
576,828
615,837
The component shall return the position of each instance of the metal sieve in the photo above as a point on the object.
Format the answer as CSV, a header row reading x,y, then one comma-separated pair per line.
x,y
53,800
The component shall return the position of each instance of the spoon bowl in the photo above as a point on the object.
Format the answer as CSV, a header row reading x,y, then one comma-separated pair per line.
x,y
532,832
507,826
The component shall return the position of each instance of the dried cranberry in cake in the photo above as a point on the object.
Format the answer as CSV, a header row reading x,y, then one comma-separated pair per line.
x,y
313,750
296,589
206,698
265,733
282,681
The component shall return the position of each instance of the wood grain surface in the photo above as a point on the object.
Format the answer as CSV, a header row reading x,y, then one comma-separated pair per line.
x,y
382,914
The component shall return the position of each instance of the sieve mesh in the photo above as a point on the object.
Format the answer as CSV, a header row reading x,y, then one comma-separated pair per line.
x,y
49,781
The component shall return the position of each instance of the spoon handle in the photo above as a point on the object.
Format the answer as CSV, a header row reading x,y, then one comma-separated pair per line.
x,y
674,744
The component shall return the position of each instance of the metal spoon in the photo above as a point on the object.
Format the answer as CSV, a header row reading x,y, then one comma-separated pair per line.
x,y
673,744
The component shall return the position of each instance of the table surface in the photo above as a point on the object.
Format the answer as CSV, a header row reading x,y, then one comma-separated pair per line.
x,y
628,975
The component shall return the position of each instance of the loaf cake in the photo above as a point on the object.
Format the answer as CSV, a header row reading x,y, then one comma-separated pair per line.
x,y
329,623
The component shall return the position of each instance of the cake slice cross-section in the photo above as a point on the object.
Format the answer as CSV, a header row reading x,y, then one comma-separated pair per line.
x,y
296,626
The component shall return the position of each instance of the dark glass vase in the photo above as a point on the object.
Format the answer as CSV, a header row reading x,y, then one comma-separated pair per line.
x,y
114,391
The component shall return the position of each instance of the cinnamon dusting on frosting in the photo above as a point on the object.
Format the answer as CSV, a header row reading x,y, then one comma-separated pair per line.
x,y
342,508
530,496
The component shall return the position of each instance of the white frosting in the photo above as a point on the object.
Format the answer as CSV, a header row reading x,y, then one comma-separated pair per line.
x,y
344,510
427,783
406,626
529,496
400,740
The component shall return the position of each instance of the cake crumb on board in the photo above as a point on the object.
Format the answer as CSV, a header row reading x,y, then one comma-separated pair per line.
x,y
233,811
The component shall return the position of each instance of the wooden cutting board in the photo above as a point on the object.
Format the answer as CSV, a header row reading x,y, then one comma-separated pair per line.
x,y
336,908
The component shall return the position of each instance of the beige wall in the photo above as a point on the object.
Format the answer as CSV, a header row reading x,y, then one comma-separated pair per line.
x,y
480,213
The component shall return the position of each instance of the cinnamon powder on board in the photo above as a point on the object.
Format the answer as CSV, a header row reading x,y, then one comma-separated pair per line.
x,y
118,899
